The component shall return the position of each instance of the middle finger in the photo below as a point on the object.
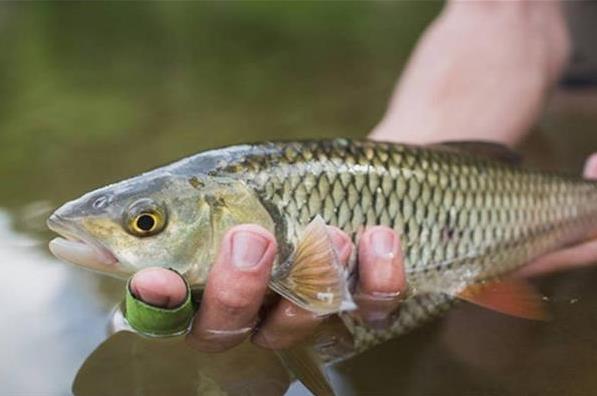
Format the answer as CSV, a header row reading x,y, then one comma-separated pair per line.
x,y
287,323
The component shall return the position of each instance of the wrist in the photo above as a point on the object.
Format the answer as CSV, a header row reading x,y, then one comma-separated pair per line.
x,y
480,72
540,26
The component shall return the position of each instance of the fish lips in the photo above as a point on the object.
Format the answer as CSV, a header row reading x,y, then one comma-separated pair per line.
x,y
74,246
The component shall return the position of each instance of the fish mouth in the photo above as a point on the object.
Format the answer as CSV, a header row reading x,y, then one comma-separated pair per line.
x,y
76,247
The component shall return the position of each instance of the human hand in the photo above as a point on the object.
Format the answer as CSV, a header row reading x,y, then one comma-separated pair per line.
x,y
470,64
582,254
237,286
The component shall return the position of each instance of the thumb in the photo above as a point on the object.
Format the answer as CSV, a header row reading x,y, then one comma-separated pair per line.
x,y
159,287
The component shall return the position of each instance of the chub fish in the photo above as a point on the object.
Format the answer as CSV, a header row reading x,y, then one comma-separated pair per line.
x,y
466,213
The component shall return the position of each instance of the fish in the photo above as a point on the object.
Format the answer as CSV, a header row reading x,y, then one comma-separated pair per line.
x,y
467,213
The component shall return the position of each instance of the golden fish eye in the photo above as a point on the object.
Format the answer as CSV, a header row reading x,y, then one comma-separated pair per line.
x,y
145,218
145,222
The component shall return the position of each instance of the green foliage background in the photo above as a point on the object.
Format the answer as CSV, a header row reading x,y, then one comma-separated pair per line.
x,y
96,91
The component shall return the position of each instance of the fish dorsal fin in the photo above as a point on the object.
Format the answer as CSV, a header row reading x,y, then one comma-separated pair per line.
x,y
492,150
305,366
313,278
509,296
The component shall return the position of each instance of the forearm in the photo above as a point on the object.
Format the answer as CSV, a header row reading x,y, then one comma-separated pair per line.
x,y
481,71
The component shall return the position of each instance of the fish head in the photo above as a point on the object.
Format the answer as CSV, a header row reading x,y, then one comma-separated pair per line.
x,y
154,220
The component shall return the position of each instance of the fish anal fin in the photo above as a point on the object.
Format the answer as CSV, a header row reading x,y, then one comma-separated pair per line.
x,y
304,365
314,279
487,149
508,296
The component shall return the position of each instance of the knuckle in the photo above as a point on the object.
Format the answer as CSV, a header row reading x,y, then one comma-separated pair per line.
x,y
383,284
232,302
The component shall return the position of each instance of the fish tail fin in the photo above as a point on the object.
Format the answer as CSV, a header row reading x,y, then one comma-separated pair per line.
x,y
313,278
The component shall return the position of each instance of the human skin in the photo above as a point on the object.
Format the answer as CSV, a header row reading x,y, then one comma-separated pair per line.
x,y
481,71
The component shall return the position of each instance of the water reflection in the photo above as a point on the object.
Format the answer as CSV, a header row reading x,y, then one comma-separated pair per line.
x,y
127,364
51,321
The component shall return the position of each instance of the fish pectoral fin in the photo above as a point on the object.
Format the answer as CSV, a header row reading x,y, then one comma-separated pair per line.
x,y
314,278
512,297
305,366
492,150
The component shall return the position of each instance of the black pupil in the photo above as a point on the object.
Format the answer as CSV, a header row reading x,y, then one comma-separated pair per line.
x,y
145,222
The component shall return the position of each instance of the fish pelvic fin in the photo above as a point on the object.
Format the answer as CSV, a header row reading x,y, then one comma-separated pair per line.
x,y
512,297
302,362
313,278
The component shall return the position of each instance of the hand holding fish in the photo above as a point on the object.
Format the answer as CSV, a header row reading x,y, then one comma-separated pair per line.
x,y
237,285
238,282
579,255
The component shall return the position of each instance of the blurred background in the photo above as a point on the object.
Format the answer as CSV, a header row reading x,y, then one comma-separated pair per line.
x,y
91,93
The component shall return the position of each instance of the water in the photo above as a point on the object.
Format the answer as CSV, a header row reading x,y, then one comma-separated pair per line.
x,y
93,93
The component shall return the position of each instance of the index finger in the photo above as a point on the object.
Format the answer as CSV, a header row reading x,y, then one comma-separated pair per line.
x,y
235,289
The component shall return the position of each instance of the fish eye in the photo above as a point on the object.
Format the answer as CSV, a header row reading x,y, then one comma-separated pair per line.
x,y
145,222
145,218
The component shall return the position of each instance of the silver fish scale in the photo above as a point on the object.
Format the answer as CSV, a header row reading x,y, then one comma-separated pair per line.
x,y
462,219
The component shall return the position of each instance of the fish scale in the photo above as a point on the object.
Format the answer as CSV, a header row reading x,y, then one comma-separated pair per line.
x,y
461,218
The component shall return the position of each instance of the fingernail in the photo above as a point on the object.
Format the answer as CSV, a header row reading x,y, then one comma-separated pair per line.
x,y
339,240
248,249
159,287
382,242
148,296
591,167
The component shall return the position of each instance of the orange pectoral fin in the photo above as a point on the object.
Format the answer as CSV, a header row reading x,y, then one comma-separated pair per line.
x,y
509,296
